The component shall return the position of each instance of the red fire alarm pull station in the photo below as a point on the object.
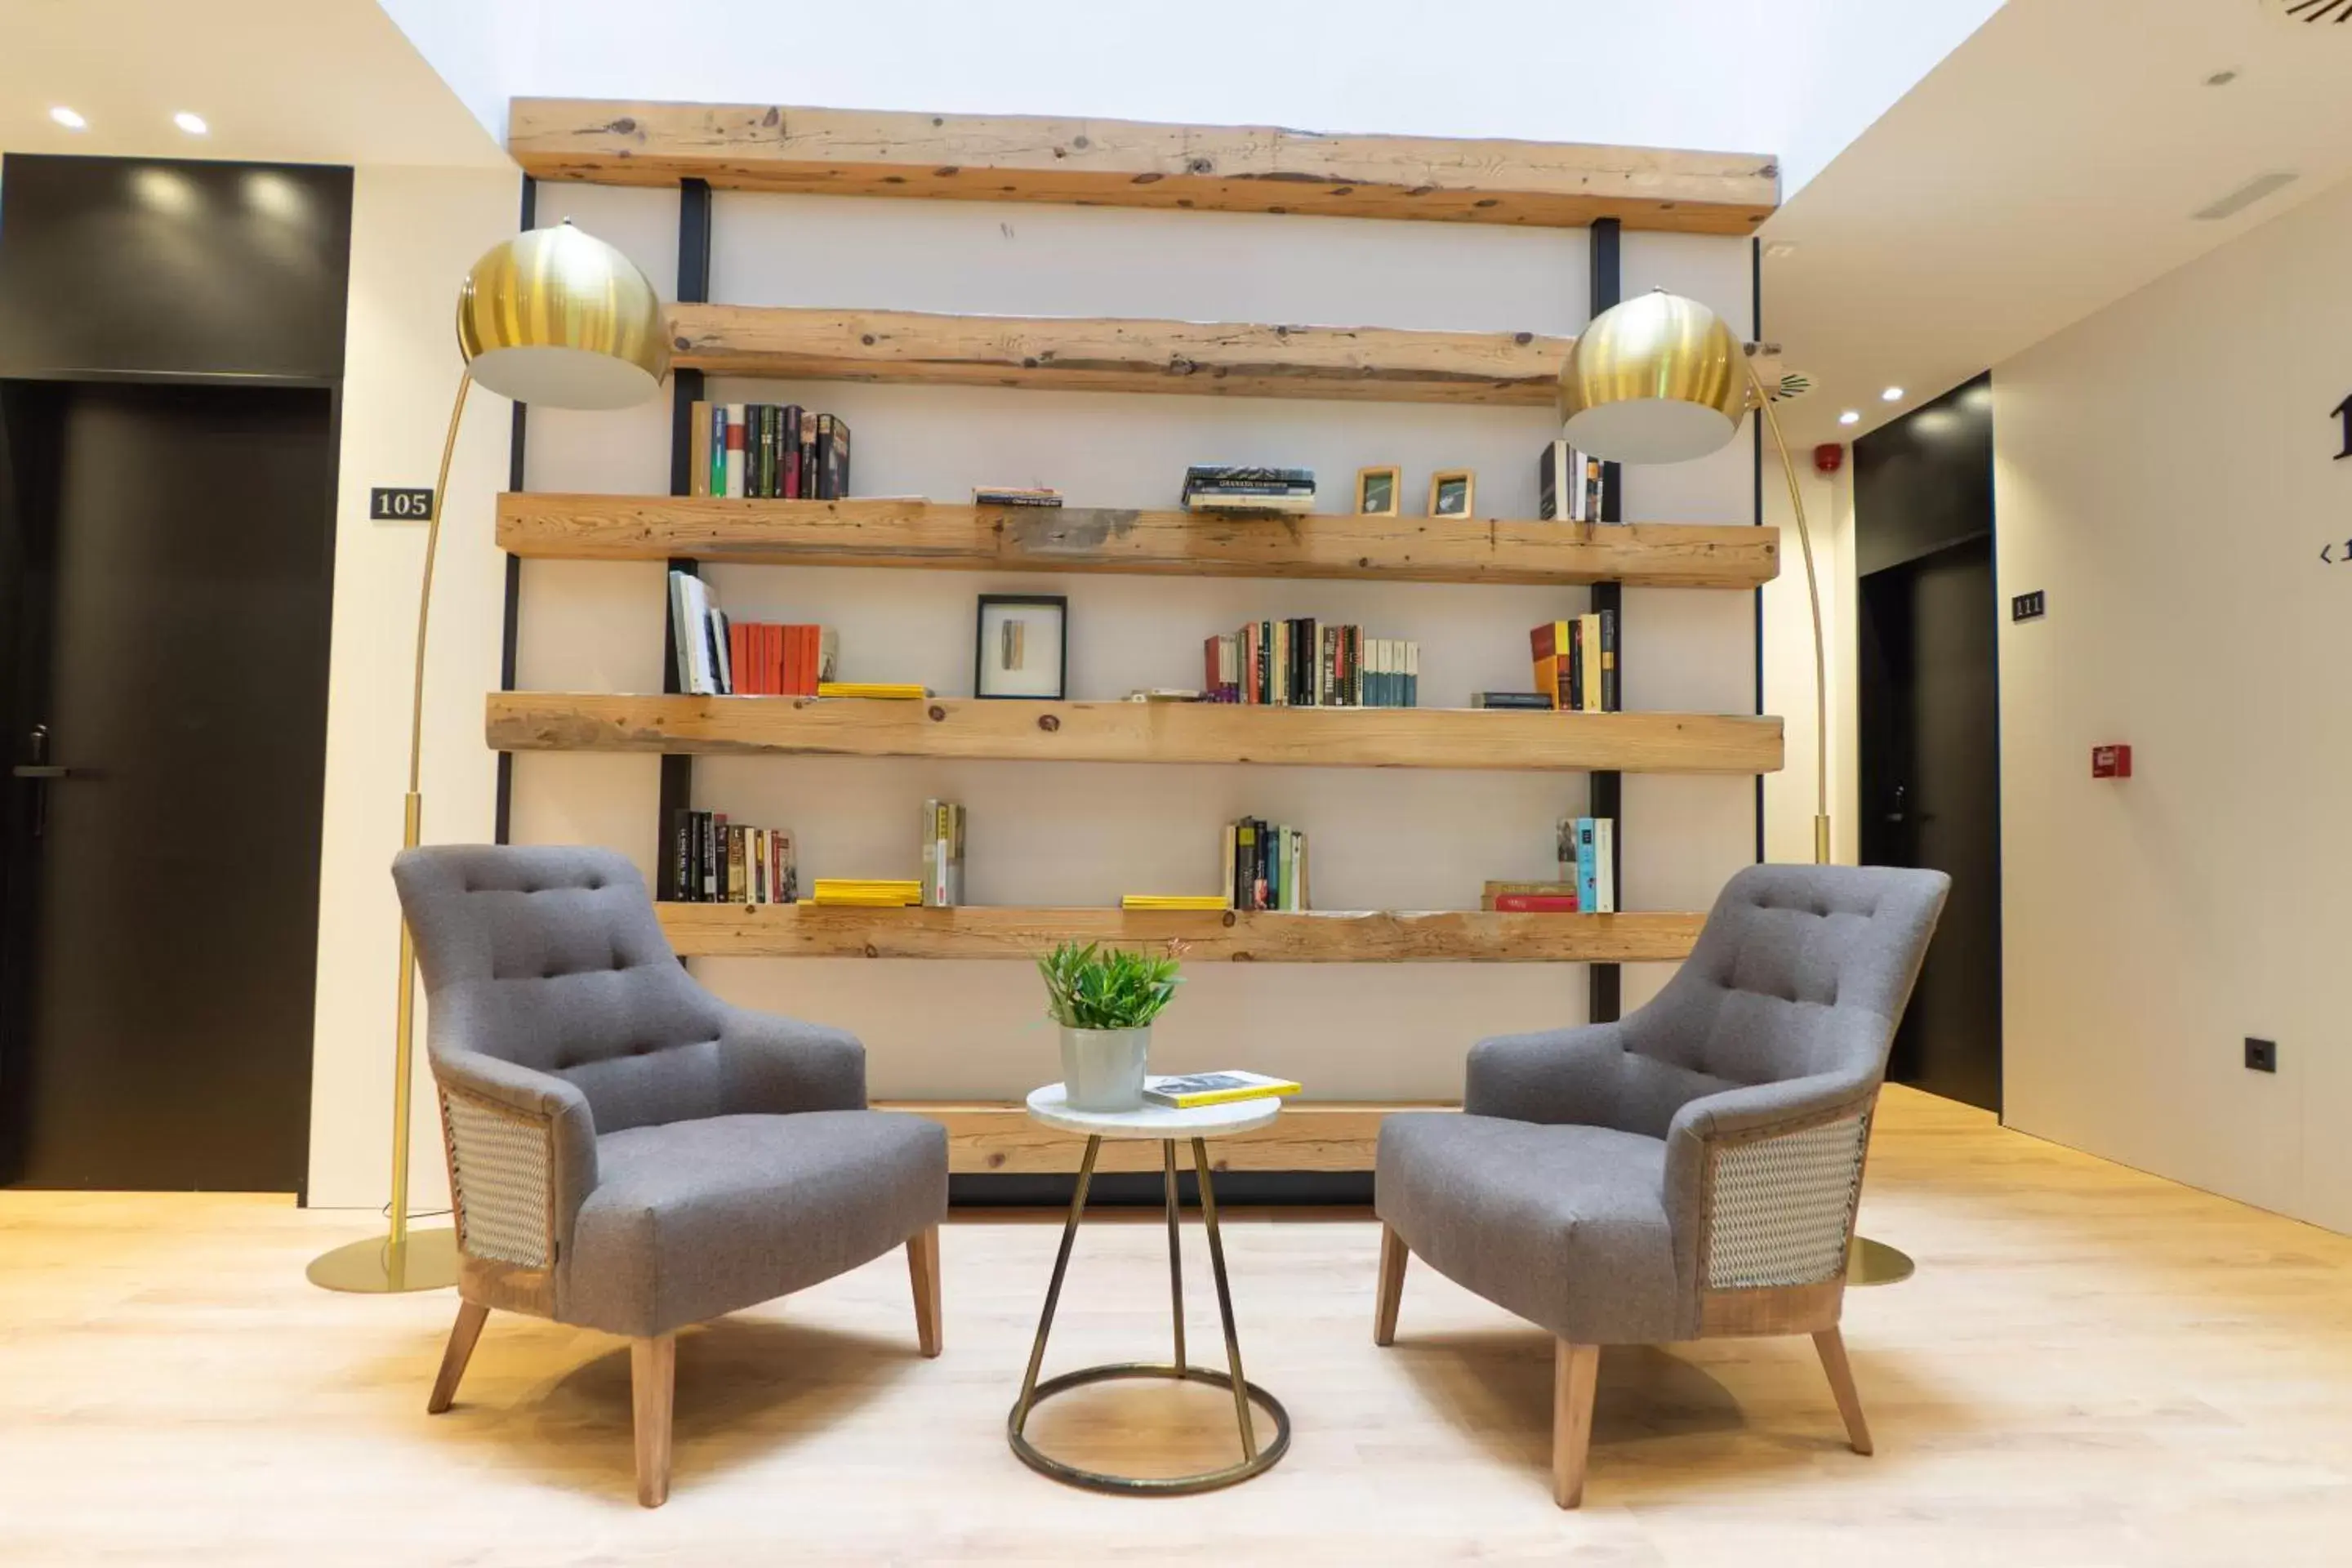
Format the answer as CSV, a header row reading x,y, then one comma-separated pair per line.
x,y
2111,762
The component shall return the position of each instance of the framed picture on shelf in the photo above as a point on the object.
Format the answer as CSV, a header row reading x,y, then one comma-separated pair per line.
x,y
1023,647
1377,491
1452,492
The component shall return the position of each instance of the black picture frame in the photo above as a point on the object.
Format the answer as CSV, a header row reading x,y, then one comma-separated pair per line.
x,y
981,666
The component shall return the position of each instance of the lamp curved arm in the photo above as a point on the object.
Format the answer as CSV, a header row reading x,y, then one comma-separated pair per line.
x,y
1813,593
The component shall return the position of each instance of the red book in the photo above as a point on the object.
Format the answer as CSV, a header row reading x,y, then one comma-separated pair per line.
x,y
779,638
739,643
791,672
1537,903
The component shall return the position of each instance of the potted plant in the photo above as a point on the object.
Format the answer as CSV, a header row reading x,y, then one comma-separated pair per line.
x,y
1104,1001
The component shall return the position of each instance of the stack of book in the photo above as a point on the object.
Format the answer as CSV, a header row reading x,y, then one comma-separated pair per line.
x,y
1229,487
1531,897
1184,1093
1587,856
867,893
1567,484
719,657
1302,664
887,690
769,452
942,854
1576,662
1265,865
1176,901
1016,495
715,861
1523,701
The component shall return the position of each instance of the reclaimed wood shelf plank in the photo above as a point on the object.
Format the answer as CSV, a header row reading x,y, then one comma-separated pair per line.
x,y
985,932
969,728
1128,163
945,536
1069,353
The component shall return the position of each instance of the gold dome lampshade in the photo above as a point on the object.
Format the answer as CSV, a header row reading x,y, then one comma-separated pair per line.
x,y
1656,379
559,317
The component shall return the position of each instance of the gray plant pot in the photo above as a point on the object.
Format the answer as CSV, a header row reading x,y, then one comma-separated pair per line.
x,y
1102,1069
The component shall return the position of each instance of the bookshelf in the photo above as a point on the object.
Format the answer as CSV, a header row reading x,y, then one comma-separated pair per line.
x,y
1071,353
972,729
940,536
1115,162
983,931
698,148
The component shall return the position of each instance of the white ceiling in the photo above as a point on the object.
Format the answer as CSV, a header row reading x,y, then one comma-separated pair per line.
x,y
2046,168
311,81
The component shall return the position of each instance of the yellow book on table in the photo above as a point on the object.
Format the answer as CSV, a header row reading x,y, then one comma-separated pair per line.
x,y
898,691
1172,902
1193,1090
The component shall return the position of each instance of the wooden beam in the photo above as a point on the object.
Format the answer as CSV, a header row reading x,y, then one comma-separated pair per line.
x,y
1116,162
919,533
1445,936
965,726
1379,365
1310,1135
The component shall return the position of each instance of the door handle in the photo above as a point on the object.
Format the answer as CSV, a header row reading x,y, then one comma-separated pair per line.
x,y
42,771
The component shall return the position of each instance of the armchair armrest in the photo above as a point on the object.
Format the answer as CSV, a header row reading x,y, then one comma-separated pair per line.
x,y
522,1156
1761,1182
1586,1077
773,1066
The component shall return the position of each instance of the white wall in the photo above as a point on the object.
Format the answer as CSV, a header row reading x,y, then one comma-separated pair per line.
x,y
1079,833
2164,472
413,233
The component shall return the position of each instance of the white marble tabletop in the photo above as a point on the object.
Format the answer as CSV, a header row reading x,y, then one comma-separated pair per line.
x,y
1048,1106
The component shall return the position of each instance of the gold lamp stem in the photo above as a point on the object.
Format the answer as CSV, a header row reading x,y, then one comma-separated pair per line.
x,y
1821,659
404,1057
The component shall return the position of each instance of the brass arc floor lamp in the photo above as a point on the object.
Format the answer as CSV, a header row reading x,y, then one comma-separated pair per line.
x,y
553,316
1661,379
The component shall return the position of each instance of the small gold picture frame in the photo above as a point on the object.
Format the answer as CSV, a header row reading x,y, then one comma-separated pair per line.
x,y
1452,492
1379,492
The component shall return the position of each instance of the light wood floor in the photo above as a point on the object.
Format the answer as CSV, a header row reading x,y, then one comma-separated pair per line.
x,y
2092,1368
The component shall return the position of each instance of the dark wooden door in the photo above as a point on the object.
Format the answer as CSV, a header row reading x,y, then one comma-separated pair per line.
x,y
1930,793
172,548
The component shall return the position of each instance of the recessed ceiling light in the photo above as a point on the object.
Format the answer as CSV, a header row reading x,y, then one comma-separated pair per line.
x,y
2221,78
68,118
1780,247
1892,394
1851,416
194,125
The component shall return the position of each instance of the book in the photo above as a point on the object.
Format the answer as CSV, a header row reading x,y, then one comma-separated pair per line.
x,y
942,841
735,454
864,893
894,690
1219,501
1520,701
1554,661
1172,902
1199,474
1189,1090
1015,495
807,438
833,463
697,438
1604,867
1536,903
1588,662
1610,701
1491,895
1166,694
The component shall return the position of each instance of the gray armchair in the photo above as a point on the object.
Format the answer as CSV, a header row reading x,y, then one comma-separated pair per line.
x,y
1688,1172
627,1151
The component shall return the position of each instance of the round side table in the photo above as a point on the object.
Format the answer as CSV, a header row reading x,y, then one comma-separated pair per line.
x,y
1049,1106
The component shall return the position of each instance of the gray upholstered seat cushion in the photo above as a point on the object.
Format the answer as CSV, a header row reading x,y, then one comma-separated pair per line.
x,y
692,1219
1565,1226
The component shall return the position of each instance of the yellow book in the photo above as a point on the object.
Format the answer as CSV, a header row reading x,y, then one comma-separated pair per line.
x,y
1194,1089
1172,902
866,892
897,691
864,901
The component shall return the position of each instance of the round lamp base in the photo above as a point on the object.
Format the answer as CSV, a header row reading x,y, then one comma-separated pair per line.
x,y
427,1260
1869,1262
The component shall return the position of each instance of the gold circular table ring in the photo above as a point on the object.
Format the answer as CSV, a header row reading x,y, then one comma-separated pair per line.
x,y
1149,1486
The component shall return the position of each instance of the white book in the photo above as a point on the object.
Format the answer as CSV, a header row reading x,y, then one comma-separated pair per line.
x,y
932,873
683,618
700,677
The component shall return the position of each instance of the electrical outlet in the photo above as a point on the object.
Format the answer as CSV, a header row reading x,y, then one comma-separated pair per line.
x,y
2262,1056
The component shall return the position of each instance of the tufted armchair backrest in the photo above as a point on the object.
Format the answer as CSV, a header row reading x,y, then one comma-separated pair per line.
x,y
1801,970
552,959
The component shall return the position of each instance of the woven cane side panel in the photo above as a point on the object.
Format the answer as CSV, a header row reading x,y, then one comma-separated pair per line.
x,y
1779,1208
499,1166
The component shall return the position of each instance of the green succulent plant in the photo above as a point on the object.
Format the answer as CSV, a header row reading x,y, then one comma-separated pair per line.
x,y
1089,986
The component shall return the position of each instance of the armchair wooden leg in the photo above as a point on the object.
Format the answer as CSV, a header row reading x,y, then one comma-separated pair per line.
x,y
467,1329
1394,1257
1831,1342
1575,1375
653,1383
923,1269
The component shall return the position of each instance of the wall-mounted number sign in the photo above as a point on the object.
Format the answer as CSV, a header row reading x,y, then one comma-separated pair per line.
x,y
389,504
2344,411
